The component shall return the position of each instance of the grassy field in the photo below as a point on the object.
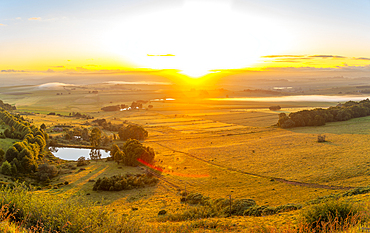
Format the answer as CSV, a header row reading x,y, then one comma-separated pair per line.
x,y
210,148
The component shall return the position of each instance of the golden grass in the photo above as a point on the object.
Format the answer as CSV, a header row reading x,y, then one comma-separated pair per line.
x,y
230,144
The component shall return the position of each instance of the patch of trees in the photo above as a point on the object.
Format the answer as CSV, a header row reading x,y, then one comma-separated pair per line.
x,y
111,108
319,116
124,182
108,125
22,156
80,115
134,105
132,153
7,106
275,108
132,132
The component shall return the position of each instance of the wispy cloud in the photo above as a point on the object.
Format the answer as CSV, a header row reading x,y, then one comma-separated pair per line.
x,y
57,66
12,70
35,18
282,56
18,18
327,56
362,58
2,24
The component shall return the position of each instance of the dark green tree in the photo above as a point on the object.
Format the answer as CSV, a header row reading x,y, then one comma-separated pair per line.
x,y
11,153
132,132
6,168
134,151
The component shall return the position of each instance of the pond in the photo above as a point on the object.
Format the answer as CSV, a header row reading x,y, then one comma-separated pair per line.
x,y
73,154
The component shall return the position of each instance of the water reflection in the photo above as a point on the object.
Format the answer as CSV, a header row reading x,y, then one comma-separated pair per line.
x,y
74,153
297,98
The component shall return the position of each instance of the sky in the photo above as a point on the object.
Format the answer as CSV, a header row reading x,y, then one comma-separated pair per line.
x,y
189,37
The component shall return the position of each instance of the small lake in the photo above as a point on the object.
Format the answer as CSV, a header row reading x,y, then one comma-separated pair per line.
x,y
73,154
297,98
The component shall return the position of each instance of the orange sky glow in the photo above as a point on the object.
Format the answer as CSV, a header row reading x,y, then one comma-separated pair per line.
x,y
182,38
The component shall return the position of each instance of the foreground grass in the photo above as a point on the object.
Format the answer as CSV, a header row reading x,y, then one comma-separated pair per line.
x,y
21,208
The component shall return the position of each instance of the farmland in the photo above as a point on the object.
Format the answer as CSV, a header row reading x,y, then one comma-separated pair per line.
x,y
214,148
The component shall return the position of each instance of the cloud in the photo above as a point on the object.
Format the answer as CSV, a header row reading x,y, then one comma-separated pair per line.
x,y
280,56
362,58
57,66
18,18
35,18
327,56
50,71
12,70
2,24
160,55
91,65
346,67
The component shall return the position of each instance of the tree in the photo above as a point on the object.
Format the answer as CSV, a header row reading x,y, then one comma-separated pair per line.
x,y
95,137
85,134
11,153
43,127
134,151
95,154
14,169
29,164
41,142
113,150
6,168
2,154
119,156
132,132
285,121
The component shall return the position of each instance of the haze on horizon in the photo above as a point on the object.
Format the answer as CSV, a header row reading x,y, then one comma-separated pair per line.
x,y
184,37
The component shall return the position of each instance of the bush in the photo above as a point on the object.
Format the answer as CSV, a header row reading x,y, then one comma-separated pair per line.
x,y
124,182
81,161
332,215
321,138
46,171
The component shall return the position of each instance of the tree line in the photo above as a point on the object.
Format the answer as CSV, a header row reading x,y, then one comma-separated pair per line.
x,y
319,116
22,156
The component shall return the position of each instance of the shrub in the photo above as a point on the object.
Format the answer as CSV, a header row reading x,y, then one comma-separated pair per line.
x,y
46,171
124,182
321,138
332,215
81,161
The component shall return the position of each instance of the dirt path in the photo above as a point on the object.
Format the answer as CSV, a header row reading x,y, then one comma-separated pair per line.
x,y
310,185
